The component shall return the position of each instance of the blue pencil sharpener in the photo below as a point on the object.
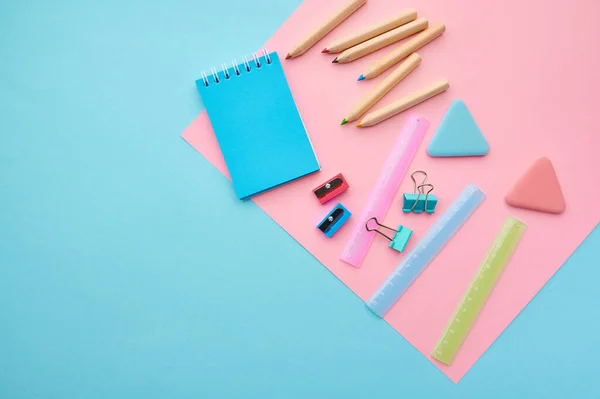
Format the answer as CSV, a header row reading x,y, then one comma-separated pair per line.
x,y
334,220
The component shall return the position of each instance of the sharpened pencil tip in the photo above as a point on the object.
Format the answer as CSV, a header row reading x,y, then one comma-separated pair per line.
x,y
325,51
359,124
335,61
287,57
344,121
361,77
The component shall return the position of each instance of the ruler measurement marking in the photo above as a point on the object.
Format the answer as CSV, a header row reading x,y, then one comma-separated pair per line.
x,y
425,250
386,186
479,290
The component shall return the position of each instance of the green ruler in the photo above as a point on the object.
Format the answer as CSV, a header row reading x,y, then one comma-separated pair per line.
x,y
480,289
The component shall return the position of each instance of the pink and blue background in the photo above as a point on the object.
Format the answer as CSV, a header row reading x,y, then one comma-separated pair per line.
x,y
129,269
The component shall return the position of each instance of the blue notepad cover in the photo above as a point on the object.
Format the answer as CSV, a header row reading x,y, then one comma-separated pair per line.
x,y
258,127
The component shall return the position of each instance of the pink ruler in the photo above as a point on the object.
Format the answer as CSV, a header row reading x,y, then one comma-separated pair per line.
x,y
387,184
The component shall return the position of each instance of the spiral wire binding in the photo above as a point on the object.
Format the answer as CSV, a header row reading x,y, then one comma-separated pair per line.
x,y
204,79
256,60
246,64
236,69
215,74
266,55
225,71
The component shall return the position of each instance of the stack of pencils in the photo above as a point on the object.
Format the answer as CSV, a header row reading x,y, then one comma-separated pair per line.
x,y
374,38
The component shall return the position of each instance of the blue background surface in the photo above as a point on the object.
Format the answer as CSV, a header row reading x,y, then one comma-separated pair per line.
x,y
128,268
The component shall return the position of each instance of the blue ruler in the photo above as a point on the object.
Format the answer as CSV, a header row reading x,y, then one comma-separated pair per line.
x,y
426,250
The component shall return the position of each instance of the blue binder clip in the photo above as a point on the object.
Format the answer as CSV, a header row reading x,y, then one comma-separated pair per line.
x,y
334,220
420,201
401,236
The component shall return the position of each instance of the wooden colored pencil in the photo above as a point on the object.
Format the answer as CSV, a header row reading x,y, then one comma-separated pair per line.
x,y
326,27
382,41
370,32
404,103
383,88
403,51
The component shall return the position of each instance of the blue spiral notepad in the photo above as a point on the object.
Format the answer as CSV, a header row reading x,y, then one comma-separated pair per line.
x,y
257,124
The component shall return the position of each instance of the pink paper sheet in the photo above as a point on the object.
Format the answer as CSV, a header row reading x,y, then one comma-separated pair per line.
x,y
528,72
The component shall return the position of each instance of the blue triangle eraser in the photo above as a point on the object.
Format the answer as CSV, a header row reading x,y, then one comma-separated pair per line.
x,y
458,134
